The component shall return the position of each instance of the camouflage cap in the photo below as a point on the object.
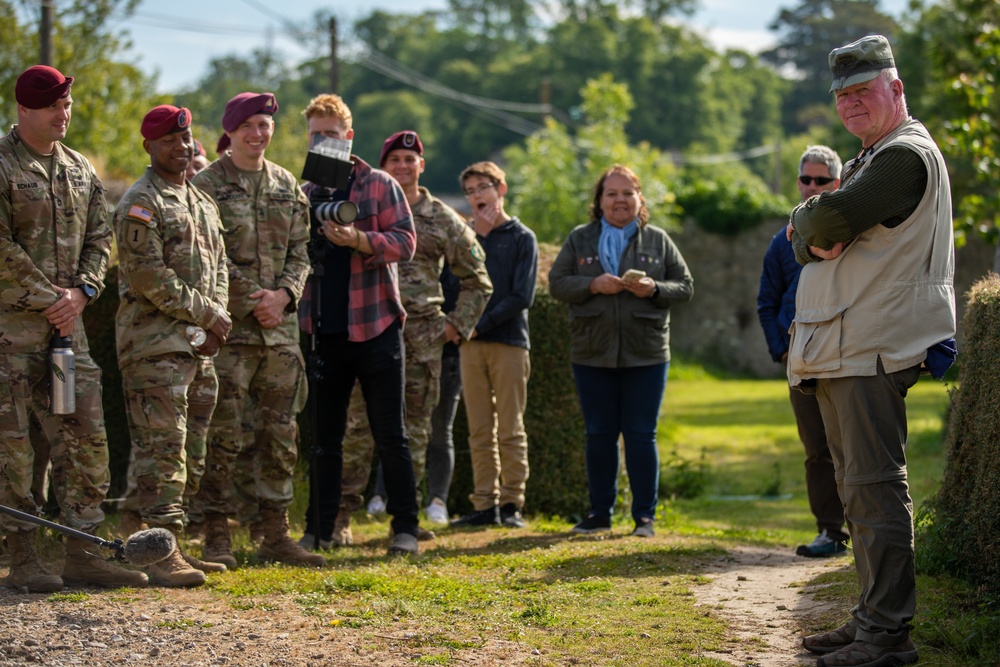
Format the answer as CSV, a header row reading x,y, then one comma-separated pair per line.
x,y
860,61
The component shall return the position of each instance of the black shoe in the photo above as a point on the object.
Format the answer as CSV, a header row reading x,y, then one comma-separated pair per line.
x,y
511,517
593,524
487,517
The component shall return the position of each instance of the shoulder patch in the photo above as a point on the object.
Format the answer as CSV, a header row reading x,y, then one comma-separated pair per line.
x,y
140,213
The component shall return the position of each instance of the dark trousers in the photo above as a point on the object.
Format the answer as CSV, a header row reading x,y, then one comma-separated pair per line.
x,y
866,428
821,485
622,402
377,364
441,448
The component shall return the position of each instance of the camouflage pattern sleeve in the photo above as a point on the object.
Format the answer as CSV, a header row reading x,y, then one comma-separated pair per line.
x,y
221,267
297,266
96,251
211,180
467,261
141,251
23,286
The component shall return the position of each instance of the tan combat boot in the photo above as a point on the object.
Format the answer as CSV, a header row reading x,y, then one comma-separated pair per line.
x,y
26,568
342,536
203,565
174,571
83,567
218,544
278,544
129,523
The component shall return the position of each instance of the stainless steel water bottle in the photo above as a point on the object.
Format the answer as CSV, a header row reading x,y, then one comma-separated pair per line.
x,y
62,364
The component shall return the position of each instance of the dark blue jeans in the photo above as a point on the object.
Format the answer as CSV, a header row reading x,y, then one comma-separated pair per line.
x,y
377,364
622,402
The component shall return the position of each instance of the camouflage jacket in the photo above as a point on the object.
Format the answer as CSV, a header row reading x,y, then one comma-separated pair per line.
x,y
172,270
267,238
442,236
34,256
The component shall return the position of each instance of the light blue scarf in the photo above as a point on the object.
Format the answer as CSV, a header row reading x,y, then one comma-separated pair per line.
x,y
613,242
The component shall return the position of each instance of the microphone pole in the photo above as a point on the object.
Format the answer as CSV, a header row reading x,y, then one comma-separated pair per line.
x,y
314,374
117,544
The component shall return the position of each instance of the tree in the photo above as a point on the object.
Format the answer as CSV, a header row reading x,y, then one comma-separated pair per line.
x,y
552,177
110,95
807,34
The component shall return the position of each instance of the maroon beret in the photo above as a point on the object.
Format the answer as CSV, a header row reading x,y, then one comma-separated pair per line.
x,y
223,143
407,140
163,120
245,105
199,149
40,86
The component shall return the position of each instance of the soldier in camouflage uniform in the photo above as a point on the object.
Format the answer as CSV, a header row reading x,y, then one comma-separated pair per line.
x,y
174,289
442,236
55,243
261,368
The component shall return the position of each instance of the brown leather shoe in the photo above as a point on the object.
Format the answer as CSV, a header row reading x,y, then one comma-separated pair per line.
x,y
828,642
866,654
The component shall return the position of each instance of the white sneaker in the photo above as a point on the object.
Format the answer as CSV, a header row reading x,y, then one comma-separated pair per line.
x,y
376,506
437,513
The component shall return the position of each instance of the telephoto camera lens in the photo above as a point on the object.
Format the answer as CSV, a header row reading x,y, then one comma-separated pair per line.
x,y
342,212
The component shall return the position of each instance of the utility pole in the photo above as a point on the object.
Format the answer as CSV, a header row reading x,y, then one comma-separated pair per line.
x,y
334,65
546,97
45,36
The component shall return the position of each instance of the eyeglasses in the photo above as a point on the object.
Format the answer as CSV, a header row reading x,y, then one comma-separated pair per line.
x,y
820,180
479,190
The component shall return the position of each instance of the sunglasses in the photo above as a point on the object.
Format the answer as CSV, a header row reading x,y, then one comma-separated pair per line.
x,y
820,180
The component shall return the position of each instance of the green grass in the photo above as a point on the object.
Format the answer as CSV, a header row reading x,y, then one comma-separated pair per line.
x,y
612,600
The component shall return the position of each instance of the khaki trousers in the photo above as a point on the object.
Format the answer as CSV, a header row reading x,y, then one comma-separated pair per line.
x,y
495,387
866,430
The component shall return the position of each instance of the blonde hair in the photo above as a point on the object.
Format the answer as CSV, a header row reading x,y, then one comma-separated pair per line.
x,y
328,105
485,169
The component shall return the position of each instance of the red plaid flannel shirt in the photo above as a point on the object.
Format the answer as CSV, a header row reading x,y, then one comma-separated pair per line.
x,y
385,218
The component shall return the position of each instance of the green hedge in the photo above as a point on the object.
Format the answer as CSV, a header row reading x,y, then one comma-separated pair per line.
x,y
557,481
99,320
960,533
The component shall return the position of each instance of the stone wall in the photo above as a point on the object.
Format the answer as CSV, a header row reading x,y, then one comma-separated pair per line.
x,y
720,322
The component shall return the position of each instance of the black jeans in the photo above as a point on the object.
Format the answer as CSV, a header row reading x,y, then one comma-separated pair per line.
x,y
377,364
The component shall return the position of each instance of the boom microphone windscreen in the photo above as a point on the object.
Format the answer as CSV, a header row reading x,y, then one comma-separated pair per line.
x,y
149,546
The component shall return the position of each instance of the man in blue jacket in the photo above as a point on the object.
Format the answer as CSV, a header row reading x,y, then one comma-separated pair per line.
x,y
819,171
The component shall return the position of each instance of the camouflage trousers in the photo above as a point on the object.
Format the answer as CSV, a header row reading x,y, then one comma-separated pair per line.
x,y
261,390
78,444
169,401
422,392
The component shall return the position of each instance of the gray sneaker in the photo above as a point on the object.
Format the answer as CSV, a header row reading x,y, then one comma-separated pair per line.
x,y
403,544
643,528
308,542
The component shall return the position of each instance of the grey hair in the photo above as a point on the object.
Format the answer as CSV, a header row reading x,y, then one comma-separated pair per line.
x,y
886,77
822,155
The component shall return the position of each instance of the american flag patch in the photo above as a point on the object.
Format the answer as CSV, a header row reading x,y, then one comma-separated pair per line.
x,y
140,213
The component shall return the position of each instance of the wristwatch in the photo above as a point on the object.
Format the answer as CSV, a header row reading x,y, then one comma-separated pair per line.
x,y
89,291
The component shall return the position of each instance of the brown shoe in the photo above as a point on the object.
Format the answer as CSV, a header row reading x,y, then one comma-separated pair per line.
x,y
342,536
129,523
174,572
866,654
828,642
218,542
83,567
26,568
203,565
278,544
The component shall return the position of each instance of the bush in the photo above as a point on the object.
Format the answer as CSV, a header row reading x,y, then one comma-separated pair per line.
x,y
960,532
729,208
